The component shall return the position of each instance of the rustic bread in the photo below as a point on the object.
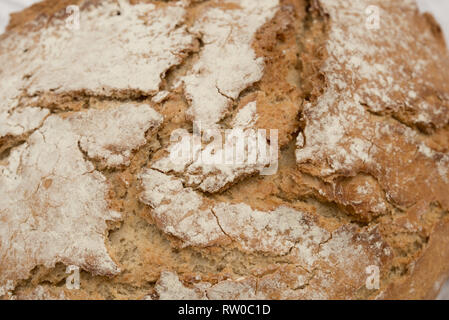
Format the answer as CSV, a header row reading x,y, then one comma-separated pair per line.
x,y
87,177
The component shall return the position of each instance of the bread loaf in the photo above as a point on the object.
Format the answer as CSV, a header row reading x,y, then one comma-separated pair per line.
x,y
122,176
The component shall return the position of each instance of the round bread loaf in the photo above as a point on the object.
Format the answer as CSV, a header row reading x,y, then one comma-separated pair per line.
x,y
223,149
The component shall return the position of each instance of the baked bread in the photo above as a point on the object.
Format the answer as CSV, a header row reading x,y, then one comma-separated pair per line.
x,y
355,184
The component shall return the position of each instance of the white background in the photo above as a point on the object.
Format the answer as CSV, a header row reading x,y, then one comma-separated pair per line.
x,y
439,8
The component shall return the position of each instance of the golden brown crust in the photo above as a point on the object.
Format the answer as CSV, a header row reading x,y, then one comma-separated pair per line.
x,y
429,272
388,217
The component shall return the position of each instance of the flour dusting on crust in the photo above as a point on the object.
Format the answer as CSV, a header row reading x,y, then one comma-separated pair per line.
x,y
170,288
343,136
54,207
199,221
111,135
341,263
212,167
79,153
21,121
143,42
227,35
180,211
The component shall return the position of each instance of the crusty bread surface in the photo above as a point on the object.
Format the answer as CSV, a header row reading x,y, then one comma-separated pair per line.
x,y
87,177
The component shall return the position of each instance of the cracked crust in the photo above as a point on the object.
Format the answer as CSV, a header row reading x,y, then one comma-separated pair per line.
x,y
363,173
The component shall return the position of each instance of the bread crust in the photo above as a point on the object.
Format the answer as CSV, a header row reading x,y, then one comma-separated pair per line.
x,y
343,213
428,273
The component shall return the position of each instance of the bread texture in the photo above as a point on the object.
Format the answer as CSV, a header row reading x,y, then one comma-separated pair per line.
x,y
88,180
